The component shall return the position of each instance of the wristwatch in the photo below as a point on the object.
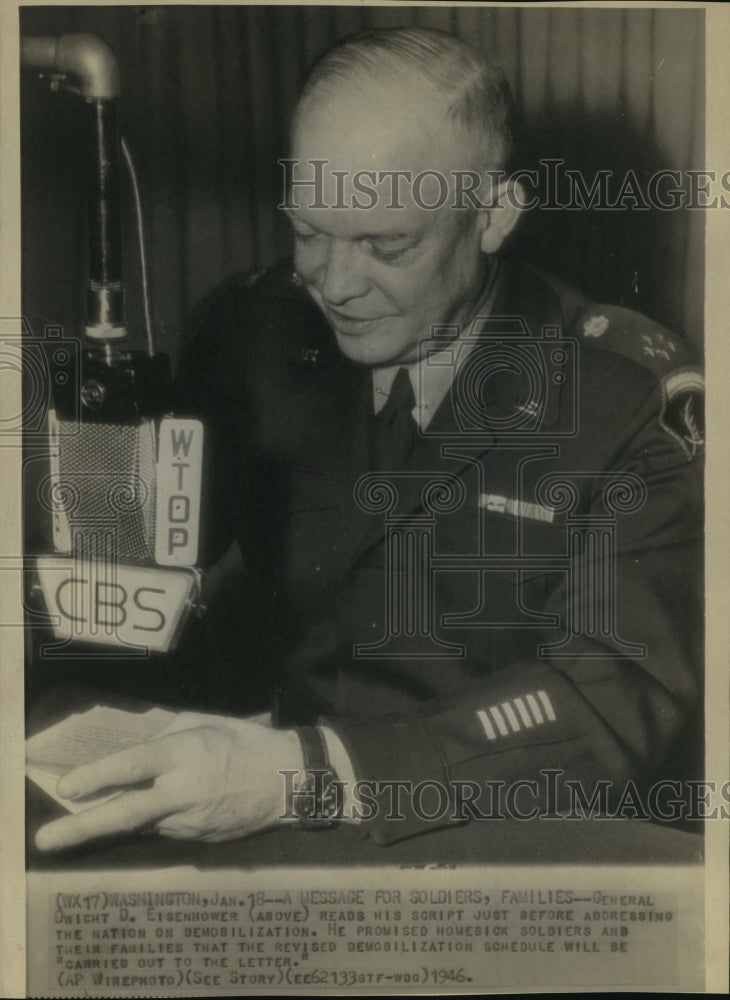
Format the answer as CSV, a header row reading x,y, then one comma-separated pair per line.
x,y
317,799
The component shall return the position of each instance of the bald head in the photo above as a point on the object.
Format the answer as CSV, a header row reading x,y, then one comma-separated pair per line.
x,y
419,81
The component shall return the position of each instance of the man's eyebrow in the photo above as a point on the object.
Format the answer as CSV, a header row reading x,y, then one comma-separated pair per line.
x,y
386,237
365,234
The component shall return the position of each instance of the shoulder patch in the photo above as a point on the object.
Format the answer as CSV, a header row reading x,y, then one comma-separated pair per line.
x,y
670,359
682,413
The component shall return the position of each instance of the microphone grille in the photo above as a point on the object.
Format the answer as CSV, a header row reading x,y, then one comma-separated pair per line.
x,y
110,471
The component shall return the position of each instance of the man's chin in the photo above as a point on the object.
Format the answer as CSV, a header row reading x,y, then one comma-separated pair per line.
x,y
377,351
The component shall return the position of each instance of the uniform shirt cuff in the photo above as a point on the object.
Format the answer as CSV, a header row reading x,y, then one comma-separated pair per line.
x,y
343,767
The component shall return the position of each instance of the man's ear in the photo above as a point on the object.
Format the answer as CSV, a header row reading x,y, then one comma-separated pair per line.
x,y
502,217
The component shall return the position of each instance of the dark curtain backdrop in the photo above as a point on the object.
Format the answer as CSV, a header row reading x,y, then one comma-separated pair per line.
x,y
207,92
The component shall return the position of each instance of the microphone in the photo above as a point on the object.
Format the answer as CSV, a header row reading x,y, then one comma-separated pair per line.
x,y
124,485
124,496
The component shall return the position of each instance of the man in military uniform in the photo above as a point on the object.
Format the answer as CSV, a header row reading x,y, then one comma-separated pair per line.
x,y
467,499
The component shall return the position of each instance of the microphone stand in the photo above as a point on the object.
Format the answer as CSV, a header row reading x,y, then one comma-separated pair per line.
x,y
135,530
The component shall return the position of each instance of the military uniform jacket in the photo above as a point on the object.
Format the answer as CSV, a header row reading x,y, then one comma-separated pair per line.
x,y
524,597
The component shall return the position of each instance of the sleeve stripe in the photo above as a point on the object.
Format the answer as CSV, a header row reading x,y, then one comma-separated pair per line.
x,y
542,695
511,717
497,716
531,714
535,709
487,724
524,714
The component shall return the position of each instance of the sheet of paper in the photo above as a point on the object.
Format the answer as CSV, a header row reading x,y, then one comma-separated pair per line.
x,y
47,780
85,737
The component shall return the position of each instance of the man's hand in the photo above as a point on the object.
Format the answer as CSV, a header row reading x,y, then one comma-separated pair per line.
x,y
209,783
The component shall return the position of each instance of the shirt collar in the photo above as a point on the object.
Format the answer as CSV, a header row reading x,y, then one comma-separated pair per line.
x,y
432,381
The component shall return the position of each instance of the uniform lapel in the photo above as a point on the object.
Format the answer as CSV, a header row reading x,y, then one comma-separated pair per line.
x,y
451,445
339,412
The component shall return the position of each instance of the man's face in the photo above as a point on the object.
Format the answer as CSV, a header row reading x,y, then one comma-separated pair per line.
x,y
381,275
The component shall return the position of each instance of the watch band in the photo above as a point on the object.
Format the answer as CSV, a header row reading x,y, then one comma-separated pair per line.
x,y
318,798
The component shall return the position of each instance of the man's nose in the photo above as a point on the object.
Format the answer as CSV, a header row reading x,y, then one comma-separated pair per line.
x,y
342,276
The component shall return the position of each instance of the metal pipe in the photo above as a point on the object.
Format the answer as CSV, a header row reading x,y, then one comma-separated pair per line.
x,y
93,67
85,57
105,306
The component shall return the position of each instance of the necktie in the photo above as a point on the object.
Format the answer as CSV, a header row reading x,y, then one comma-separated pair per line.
x,y
394,429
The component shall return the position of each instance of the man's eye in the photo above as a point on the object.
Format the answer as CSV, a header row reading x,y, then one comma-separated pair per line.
x,y
388,256
305,237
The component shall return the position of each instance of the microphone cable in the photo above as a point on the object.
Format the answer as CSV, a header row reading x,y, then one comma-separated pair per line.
x,y
141,241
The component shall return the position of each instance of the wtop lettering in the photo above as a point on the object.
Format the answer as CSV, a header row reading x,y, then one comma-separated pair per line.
x,y
179,470
178,513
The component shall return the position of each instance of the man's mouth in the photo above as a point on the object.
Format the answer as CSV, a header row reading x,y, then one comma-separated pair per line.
x,y
349,323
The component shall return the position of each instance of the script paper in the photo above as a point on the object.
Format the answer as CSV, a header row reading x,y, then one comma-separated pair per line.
x,y
85,737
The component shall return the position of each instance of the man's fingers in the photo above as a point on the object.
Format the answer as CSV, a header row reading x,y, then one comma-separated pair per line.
x,y
127,767
124,813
